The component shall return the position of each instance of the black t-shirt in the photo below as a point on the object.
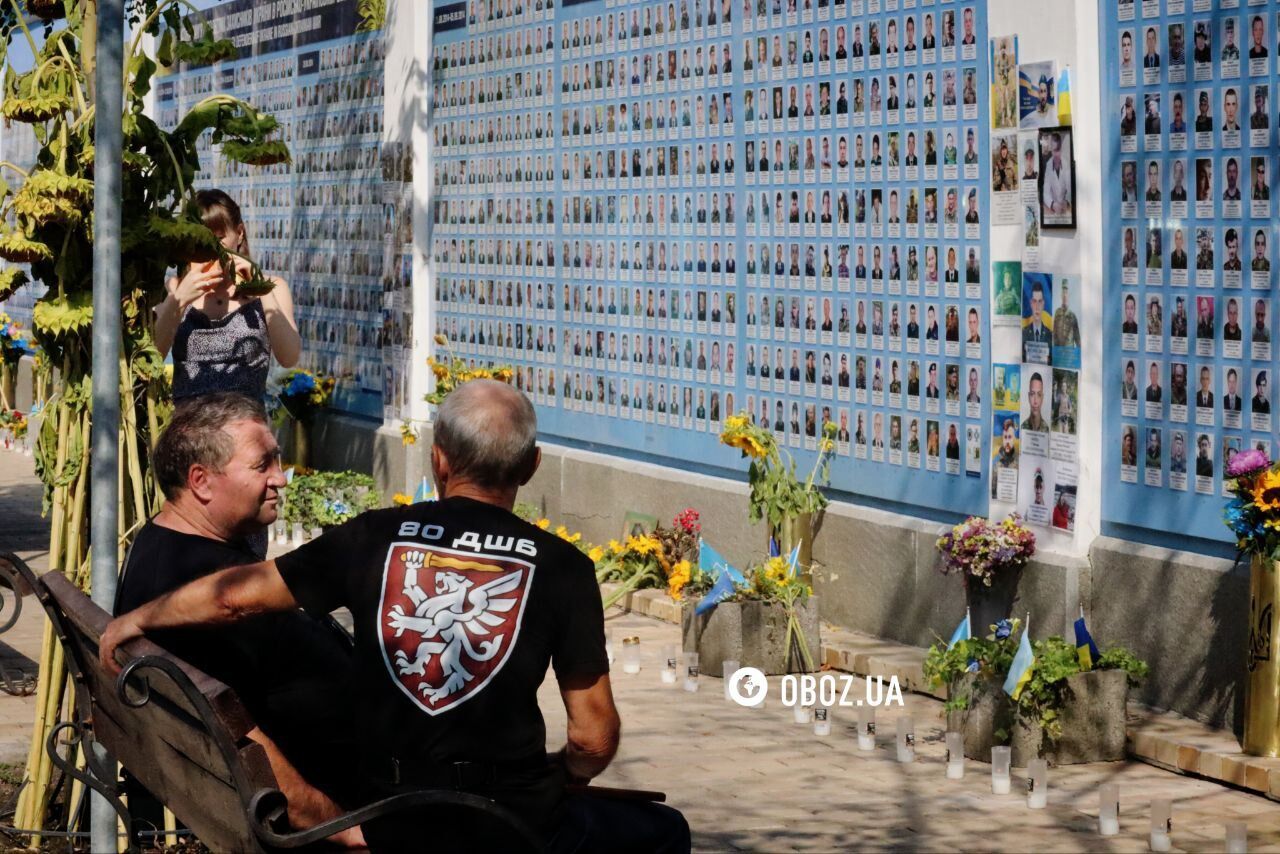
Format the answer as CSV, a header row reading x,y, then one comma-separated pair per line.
x,y
291,670
484,602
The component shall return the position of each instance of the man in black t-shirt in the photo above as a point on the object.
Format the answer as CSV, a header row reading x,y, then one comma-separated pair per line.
x,y
459,609
218,465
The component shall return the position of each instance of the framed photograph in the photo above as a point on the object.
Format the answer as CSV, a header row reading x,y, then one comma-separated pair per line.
x,y
1057,178
636,524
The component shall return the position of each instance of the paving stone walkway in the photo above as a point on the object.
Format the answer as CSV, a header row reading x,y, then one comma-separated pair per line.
x,y
753,780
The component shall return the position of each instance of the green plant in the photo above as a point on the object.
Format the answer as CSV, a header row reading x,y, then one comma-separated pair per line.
x,y
373,14
326,499
46,221
990,656
777,494
1044,696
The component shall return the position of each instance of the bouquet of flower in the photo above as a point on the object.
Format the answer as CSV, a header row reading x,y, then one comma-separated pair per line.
x,y
665,558
454,371
303,393
776,491
14,343
1253,515
980,549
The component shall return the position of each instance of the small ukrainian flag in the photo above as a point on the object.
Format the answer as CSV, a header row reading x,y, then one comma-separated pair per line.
x,y
1086,649
1064,97
962,631
424,492
1023,662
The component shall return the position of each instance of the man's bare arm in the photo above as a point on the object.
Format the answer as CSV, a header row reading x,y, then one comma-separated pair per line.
x,y
594,729
223,597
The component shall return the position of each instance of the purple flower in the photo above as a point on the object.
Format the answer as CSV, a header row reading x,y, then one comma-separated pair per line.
x,y
1247,462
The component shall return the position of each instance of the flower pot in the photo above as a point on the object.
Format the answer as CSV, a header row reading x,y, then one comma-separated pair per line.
x,y
1262,665
988,719
752,633
793,530
1093,718
990,605
301,444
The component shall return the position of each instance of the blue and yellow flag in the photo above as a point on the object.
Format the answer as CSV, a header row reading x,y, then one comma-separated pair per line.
x,y
1064,96
1086,649
424,492
1023,662
713,564
962,632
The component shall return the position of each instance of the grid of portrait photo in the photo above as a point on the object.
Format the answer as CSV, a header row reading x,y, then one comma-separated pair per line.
x,y
661,215
318,222
1191,150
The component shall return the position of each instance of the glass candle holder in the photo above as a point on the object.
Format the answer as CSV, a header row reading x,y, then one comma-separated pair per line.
x,y
727,669
692,671
867,728
955,756
1037,784
296,534
282,532
1161,824
608,645
1109,810
800,713
906,739
671,664
316,532
1000,758
631,655
1237,841
822,721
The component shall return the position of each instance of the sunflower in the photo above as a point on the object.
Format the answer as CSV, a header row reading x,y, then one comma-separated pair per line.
x,y
679,577
1266,491
595,553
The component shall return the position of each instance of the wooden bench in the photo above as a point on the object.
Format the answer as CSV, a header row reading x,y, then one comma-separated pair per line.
x,y
183,735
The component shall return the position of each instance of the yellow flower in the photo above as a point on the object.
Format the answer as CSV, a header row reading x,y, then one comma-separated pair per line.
x,y
595,553
1266,491
615,547
679,577
543,523
401,500
777,569
826,445
441,339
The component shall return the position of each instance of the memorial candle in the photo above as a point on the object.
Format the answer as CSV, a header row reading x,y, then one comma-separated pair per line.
x,y
822,721
1000,757
691,672
1161,824
1109,810
727,670
1237,837
800,713
955,756
906,739
867,728
1037,784
671,666
631,655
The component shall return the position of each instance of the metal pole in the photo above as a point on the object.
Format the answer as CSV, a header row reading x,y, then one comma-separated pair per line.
x,y
104,477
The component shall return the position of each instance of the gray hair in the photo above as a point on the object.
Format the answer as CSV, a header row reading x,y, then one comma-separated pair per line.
x,y
488,432
197,435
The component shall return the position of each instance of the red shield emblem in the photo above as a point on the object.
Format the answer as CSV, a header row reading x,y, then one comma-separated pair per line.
x,y
448,620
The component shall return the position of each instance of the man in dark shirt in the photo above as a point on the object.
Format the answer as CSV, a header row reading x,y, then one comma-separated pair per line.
x,y
218,465
459,608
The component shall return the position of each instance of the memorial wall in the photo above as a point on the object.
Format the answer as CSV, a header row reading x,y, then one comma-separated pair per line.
x,y
664,213
1189,142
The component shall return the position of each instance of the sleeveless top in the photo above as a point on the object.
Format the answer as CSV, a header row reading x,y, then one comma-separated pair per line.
x,y
229,354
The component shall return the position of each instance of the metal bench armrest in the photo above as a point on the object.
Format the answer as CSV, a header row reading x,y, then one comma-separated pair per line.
x,y
267,810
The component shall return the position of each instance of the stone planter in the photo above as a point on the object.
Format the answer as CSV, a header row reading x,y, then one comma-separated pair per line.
x,y
990,605
1093,719
1262,680
752,633
301,443
989,711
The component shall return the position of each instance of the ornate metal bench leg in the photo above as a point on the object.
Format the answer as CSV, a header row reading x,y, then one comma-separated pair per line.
x,y
93,777
15,682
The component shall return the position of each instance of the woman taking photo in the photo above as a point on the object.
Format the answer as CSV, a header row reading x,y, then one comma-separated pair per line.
x,y
221,340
